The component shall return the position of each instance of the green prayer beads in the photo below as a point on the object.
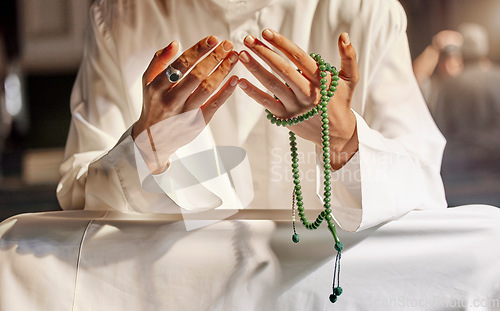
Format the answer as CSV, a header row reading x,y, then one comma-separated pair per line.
x,y
297,199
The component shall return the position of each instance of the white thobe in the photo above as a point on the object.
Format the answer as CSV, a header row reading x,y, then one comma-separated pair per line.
x,y
396,169
109,257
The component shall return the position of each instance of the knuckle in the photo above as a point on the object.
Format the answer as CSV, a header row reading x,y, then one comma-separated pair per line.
x,y
197,75
297,55
182,63
274,86
207,86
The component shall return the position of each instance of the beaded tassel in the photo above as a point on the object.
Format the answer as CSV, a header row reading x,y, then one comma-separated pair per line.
x,y
297,199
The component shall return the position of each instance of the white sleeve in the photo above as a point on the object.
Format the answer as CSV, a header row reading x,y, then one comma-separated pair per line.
x,y
99,170
397,166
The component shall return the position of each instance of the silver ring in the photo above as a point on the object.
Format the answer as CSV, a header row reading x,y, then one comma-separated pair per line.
x,y
173,74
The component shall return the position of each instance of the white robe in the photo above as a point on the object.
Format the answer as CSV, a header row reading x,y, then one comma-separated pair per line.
x,y
124,253
396,169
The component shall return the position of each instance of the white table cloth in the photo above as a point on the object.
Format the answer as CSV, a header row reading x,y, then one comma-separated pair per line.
x,y
97,260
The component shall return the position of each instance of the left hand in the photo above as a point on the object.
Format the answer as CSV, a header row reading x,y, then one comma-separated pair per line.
x,y
303,92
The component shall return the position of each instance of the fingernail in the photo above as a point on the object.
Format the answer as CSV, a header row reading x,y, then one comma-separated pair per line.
x,y
249,40
267,34
233,81
244,57
233,58
346,39
212,41
243,84
158,53
227,45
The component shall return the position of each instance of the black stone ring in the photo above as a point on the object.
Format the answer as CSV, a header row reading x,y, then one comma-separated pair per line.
x,y
173,74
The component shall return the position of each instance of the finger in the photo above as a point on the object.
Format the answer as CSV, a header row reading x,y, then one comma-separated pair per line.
x,y
261,97
293,52
278,64
348,65
190,82
159,62
213,104
185,61
211,83
270,81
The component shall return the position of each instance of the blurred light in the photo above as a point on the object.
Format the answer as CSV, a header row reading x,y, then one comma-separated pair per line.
x,y
13,96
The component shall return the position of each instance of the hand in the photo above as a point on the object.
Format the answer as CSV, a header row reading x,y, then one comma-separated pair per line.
x,y
447,37
173,114
303,92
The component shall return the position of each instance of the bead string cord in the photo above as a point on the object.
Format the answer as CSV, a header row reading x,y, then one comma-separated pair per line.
x,y
297,199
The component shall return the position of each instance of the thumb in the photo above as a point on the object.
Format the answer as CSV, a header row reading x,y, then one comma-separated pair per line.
x,y
348,65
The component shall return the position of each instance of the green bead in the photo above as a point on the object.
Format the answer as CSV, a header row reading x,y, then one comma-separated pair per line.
x,y
293,143
338,291
301,213
327,205
300,203
294,165
333,85
325,98
328,217
327,173
322,74
317,57
335,78
325,149
295,160
328,188
327,183
321,62
328,177
324,92
330,93
327,200
295,238
293,148
313,55
315,110
327,166
326,132
323,80
273,121
299,198
298,187
269,116
325,126
324,108
323,86
295,170
310,113
328,211
301,118
333,298
278,122
295,120
300,208
326,143
327,194
296,176
322,67
294,154
326,154
298,192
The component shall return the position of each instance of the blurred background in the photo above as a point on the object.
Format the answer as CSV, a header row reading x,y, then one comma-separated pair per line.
x,y
41,44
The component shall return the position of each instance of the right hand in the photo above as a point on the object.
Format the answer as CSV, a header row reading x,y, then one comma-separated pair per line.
x,y
170,116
